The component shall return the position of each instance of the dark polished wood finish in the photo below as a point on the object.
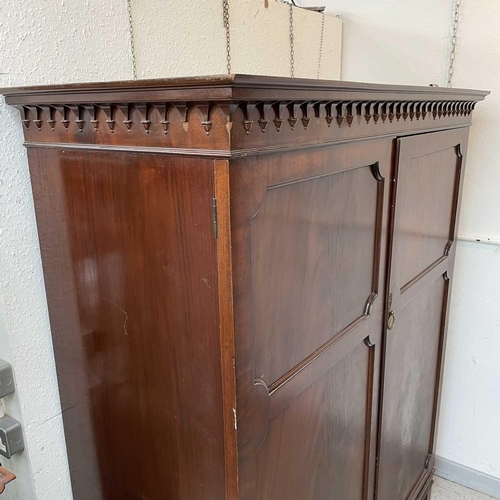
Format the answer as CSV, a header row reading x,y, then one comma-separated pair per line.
x,y
219,254
132,292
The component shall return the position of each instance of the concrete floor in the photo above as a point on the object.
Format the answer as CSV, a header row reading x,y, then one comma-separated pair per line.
x,y
446,490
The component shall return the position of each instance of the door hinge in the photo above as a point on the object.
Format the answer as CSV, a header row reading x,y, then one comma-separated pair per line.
x,y
215,222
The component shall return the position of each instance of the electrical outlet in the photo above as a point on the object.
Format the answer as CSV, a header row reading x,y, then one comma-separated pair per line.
x,y
6,379
11,436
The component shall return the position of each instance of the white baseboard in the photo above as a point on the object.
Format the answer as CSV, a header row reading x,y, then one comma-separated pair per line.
x,y
468,477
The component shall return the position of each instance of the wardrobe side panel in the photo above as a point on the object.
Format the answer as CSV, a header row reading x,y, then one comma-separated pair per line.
x,y
129,259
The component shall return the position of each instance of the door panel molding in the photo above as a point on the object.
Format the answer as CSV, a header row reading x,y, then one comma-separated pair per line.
x,y
299,257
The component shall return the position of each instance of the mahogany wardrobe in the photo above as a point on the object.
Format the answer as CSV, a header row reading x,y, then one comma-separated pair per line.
x,y
248,282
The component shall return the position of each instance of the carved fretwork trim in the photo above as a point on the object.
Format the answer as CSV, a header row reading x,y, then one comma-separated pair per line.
x,y
345,113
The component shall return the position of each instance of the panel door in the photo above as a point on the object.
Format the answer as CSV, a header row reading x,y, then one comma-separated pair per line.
x,y
426,198
309,231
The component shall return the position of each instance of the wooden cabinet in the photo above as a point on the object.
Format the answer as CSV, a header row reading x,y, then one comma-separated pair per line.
x,y
247,280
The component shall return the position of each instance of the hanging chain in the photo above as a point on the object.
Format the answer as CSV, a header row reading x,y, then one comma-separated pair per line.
x,y
321,43
292,53
225,10
453,43
132,41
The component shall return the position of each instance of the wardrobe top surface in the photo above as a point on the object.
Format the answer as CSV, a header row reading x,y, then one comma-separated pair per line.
x,y
230,88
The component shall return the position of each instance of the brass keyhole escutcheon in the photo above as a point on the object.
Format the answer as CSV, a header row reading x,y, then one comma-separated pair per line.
x,y
391,320
391,315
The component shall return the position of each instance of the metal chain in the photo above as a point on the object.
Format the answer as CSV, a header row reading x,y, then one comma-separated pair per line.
x,y
292,53
132,41
321,43
225,10
453,43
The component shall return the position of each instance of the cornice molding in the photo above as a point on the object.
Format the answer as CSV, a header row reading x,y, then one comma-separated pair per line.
x,y
237,86
292,114
234,112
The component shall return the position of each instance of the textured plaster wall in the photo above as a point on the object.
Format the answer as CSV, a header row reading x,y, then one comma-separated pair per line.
x,y
49,41
20,489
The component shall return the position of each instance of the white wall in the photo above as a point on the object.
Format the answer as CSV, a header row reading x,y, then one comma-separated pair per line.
x,y
404,41
393,41
469,432
195,43
470,421
59,41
